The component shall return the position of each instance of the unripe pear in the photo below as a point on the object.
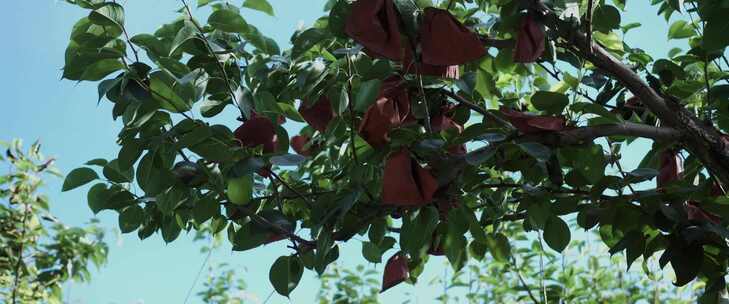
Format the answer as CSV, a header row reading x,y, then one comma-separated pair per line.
x,y
240,189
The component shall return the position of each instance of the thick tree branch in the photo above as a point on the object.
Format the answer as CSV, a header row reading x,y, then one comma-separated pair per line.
x,y
702,140
582,135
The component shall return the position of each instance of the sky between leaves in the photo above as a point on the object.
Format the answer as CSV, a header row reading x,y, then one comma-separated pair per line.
x,y
36,104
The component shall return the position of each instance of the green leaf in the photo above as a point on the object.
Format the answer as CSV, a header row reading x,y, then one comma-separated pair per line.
x,y
78,177
187,33
130,218
377,230
192,86
715,33
290,112
97,162
128,154
417,230
162,86
557,233
150,177
499,247
100,69
589,162
285,274
611,41
550,102
205,209
538,213
306,40
680,29
110,14
98,197
259,5
115,173
538,151
371,252
261,42
484,83
367,94
228,21
170,229
150,43
606,18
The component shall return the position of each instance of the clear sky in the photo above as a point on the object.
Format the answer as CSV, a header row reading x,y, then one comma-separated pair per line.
x,y
37,104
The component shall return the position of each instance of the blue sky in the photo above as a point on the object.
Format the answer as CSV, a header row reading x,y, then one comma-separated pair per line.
x,y
37,104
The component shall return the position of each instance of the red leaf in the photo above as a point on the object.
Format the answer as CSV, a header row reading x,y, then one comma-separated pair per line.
x,y
396,271
671,168
319,114
258,131
529,40
442,122
298,143
374,24
420,68
406,183
445,41
390,110
529,124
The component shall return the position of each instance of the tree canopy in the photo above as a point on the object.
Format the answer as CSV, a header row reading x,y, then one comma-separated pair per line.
x,y
38,253
428,127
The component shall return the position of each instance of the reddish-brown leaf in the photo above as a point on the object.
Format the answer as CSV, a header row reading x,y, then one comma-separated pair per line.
x,y
445,41
443,121
390,110
406,183
375,25
529,124
396,271
258,131
319,114
529,40
670,169
410,66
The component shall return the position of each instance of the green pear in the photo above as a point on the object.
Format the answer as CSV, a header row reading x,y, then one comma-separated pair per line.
x,y
240,189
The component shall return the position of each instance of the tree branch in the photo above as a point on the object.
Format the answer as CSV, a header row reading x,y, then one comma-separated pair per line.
x,y
702,140
582,135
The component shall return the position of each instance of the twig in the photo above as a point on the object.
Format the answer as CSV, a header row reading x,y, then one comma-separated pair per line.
x,y
299,194
351,110
541,268
588,24
129,42
477,109
16,281
199,272
276,228
523,282
428,126
212,53
555,75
